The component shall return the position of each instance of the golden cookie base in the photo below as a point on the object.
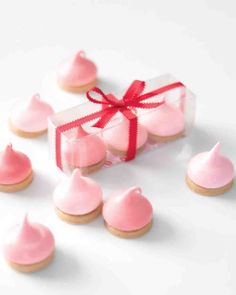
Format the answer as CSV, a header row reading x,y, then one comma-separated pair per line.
x,y
31,267
23,133
207,191
163,139
90,169
9,188
79,219
79,89
129,234
122,154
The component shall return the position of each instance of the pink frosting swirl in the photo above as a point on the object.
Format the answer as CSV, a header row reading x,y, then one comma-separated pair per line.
x,y
83,149
118,136
29,243
32,117
211,169
77,71
128,211
14,166
166,120
78,195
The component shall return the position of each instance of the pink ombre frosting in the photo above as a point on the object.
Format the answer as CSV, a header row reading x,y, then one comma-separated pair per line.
x,y
77,71
14,166
32,117
166,120
29,243
211,169
78,195
118,136
128,211
83,149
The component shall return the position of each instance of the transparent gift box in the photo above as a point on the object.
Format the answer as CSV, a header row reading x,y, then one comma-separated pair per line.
x,y
76,143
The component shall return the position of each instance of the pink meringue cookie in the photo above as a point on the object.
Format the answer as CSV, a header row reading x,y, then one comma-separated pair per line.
x,y
30,120
15,170
85,151
166,123
210,173
78,74
117,137
78,199
128,214
29,247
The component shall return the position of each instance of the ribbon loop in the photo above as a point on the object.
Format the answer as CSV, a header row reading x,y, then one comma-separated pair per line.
x,y
135,89
104,98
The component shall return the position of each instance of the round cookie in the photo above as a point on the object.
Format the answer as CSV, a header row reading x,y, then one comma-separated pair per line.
x,y
164,124
117,138
210,173
128,215
78,200
29,247
30,120
78,74
84,151
15,170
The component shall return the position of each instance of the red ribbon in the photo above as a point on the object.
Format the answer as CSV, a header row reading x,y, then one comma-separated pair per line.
x,y
111,105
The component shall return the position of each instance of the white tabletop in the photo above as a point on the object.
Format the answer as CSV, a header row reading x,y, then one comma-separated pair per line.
x,y
191,248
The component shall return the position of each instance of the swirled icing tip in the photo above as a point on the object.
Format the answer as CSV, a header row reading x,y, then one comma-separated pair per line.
x,y
132,193
8,148
134,190
36,97
34,101
27,231
8,152
76,179
25,222
213,154
76,174
80,132
80,55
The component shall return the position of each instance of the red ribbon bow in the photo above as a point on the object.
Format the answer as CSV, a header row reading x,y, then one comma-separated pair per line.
x,y
111,105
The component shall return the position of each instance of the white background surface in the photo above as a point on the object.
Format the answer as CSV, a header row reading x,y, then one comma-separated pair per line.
x,y
191,248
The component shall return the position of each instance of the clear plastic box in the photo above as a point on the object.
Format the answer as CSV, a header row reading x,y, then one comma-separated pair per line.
x,y
90,149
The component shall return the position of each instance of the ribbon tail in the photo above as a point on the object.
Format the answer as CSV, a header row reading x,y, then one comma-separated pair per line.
x,y
133,128
133,132
58,148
